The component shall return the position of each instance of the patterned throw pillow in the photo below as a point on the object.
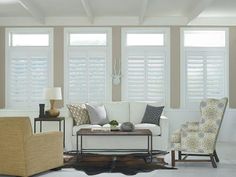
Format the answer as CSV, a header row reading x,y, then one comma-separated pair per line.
x,y
152,115
79,113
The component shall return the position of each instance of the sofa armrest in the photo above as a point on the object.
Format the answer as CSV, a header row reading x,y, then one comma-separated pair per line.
x,y
44,151
164,125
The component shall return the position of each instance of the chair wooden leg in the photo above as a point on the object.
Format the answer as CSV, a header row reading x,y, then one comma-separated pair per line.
x,y
179,155
213,161
173,158
216,156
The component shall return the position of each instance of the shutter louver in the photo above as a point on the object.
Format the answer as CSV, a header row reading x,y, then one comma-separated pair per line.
x,y
146,77
205,75
28,77
87,78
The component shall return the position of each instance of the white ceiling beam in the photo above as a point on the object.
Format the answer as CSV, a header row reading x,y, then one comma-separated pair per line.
x,y
143,10
198,9
88,10
29,6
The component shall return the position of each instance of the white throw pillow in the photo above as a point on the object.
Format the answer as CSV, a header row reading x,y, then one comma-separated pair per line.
x,y
97,114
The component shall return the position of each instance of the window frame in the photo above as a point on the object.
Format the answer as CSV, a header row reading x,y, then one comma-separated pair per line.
x,y
183,72
87,30
165,47
28,30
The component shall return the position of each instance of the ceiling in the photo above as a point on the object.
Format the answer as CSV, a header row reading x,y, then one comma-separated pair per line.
x,y
117,12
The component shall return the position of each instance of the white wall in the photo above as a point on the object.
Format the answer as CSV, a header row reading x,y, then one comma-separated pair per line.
x,y
176,118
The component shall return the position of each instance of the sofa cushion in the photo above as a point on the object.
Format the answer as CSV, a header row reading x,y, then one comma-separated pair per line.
x,y
137,110
79,113
97,114
78,127
118,111
155,129
152,114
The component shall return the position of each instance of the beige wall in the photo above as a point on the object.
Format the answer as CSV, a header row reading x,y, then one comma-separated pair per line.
x,y
232,67
116,53
2,67
59,59
175,67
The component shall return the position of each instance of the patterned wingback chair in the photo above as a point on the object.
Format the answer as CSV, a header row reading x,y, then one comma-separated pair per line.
x,y
200,137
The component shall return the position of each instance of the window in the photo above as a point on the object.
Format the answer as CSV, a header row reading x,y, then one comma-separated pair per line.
x,y
88,65
29,66
205,65
145,64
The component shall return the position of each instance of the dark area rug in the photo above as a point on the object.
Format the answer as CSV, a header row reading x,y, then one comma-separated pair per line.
x,y
132,164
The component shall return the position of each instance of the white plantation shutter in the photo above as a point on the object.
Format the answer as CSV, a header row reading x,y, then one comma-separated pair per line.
x,y
204,65
145,68
146,77
205,75
28,73
87,65
87,76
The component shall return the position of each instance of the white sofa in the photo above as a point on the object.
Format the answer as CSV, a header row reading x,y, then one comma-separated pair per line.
x,y
122,112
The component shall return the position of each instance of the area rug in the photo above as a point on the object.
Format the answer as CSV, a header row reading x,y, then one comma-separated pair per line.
x,y
132,164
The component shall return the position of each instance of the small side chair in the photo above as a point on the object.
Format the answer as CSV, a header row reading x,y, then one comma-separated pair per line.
x,y
199,138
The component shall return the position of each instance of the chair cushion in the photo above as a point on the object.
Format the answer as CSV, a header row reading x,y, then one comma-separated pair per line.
x,y
152,114
97,114
78,127
155,129
79,113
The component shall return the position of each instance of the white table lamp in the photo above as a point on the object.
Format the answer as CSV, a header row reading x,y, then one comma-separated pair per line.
x,y
53,94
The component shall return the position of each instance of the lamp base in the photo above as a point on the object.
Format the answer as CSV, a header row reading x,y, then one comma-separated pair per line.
x,y
53,113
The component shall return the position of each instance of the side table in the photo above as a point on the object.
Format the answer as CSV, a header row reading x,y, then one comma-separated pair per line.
x,y
51,119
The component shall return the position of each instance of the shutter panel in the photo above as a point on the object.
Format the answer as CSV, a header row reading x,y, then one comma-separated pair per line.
x,y
29,75
146,76
205,76
87,74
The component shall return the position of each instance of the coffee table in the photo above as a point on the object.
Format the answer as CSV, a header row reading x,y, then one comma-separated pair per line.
x,y
88,132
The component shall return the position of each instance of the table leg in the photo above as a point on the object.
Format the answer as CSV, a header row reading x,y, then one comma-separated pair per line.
x,y
64,131
151,148
77,146
81,145
40,126
59,125
34,126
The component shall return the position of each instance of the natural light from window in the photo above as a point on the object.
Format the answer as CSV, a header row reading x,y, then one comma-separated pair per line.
x,y
29,40
88,39
207,38
145,39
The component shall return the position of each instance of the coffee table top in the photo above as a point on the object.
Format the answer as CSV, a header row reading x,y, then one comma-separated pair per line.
x,y
136,132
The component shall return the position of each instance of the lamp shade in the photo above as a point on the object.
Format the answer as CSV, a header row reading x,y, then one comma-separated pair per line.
x,y
52,93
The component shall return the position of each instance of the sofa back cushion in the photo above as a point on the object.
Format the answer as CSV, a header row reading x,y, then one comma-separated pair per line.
x,y
137,110
118,111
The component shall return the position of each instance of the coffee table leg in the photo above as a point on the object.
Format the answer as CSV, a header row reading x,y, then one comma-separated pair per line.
x,y
77,147
81,145
151,148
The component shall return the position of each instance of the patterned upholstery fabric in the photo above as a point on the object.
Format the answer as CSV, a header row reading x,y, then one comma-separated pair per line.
x,y
200,137
79,113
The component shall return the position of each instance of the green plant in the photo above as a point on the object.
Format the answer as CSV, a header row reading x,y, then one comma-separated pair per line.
x,y
113,123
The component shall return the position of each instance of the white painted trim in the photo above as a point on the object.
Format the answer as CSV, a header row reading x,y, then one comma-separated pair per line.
x,y
51,49
144,6
108,31
182,60
166,48
198,9
30,7
88,10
